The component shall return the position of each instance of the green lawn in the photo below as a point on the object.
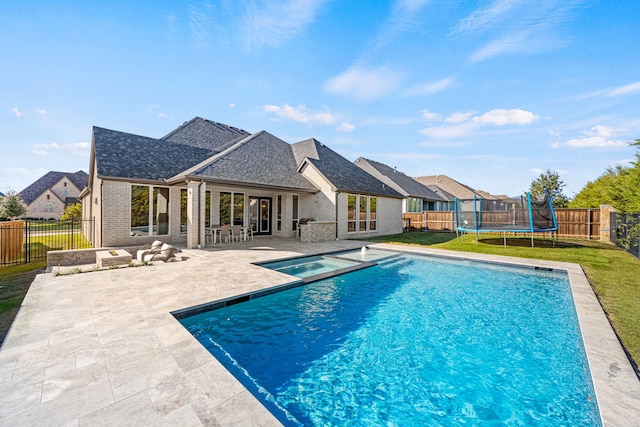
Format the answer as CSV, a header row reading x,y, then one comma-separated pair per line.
x,y
613,273
14,284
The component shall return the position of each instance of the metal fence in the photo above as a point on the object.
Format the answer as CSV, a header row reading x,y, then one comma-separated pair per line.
x,y
627,231
26,241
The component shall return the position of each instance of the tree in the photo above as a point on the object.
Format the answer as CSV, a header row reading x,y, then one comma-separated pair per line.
x,y
598,192
617,186
549,182
12,205
72,212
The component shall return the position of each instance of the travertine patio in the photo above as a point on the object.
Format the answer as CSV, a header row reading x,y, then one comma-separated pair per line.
x,y
101,348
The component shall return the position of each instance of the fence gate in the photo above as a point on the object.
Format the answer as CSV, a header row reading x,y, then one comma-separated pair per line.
x,y
22,242
625,232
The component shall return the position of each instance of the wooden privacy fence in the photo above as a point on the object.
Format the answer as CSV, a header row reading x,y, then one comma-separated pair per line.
x,y
574,223
578,223
11,240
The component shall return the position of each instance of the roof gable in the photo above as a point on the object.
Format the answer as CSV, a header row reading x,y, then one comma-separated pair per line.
x,y
124,155
261,159
340,172
402,183
207,134
29,194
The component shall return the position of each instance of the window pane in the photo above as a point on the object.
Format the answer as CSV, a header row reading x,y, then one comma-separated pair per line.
x,y
225,208
373,214
238,209
363,214
183,211
351,213
279,212
207,209
295,212
139,210
160,211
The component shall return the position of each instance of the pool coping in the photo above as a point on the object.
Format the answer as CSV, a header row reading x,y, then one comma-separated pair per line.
x,y
103,347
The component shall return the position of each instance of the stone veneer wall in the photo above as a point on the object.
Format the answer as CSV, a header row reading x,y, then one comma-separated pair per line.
x,y
320,231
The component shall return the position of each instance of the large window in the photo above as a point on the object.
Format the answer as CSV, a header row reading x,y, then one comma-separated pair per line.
x,y
361,213
352,200
294,212
149,206
183,211
279,212
232,208
414,204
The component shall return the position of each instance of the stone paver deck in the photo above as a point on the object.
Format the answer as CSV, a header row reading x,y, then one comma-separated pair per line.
x,y
101,348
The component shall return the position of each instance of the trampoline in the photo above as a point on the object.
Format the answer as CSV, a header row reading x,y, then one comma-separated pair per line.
x,y
513,215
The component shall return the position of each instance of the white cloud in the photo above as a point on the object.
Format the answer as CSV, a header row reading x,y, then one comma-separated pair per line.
x,y
232,105
346,127
599,136
16,111
273,23
458,117
430,116
365,84
501,117
300,114
462,124
625,90
517,27
429,88
41,111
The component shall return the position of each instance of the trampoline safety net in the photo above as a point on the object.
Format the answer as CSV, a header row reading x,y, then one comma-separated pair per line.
x,y
505,215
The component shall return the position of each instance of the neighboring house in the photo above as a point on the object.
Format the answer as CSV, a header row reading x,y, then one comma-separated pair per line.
x,y
206,173
50,195
453,187
417,196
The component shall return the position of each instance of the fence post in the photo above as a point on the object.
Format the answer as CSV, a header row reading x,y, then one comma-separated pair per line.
x,y
607,212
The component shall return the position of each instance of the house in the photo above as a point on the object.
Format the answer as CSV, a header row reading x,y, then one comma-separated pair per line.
x,y
50,195
205,173
453,187
417,196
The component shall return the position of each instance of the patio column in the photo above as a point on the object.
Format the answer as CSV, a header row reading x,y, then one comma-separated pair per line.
x,y
195,214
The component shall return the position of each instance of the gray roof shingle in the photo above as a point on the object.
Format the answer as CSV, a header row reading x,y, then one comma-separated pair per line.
x,y
124,155
341,173
207,134
261,159
402,183
80,179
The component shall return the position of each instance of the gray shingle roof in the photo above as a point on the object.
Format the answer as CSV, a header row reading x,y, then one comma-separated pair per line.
x,y
449,185
261,159
207,134
343,174
400,182
124,155
80,179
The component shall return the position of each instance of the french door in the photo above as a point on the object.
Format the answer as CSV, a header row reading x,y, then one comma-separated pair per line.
x,y
260,215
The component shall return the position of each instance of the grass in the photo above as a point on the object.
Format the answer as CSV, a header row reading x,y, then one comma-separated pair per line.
x,y
14,284
613,273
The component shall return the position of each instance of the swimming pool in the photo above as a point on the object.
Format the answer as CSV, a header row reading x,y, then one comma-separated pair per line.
x,y
413,341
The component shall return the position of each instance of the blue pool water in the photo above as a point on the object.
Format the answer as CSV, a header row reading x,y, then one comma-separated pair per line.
x,y
414,341
309,266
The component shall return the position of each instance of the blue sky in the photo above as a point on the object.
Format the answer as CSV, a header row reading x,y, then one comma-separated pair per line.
x,y
490,93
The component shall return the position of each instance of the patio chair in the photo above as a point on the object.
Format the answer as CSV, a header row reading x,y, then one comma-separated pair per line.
x,y
236,233
225,233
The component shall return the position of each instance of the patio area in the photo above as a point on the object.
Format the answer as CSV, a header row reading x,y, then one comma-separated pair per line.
x,y
102,348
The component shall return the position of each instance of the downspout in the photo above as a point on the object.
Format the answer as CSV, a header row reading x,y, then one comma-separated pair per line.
x,y
337,216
